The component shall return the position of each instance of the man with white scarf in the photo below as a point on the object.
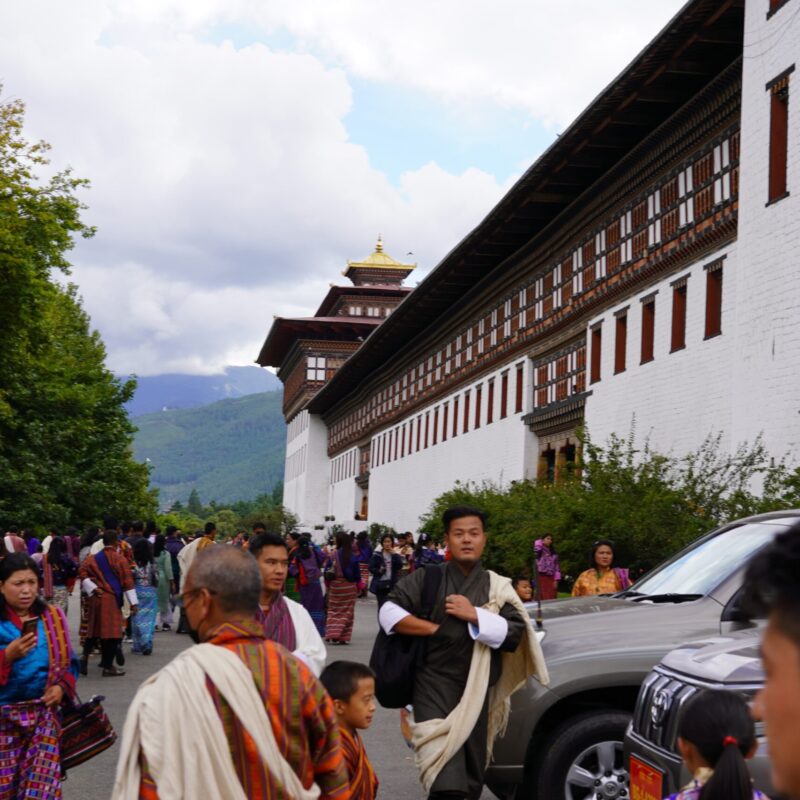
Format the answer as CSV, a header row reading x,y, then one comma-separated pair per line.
x,y
480,648
218,700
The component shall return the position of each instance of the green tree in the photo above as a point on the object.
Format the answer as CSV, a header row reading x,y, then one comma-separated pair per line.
x,y
65,439
648,503
194,504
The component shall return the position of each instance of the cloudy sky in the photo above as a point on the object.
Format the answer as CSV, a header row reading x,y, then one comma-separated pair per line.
x,y
241,150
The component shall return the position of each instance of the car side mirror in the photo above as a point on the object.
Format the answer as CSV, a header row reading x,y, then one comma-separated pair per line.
x,y
733,611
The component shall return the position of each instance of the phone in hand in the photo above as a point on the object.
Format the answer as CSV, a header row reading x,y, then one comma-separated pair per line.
x,y
30,626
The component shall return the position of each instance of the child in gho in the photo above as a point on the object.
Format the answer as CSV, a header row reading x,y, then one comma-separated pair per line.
x,y
715,737
352,689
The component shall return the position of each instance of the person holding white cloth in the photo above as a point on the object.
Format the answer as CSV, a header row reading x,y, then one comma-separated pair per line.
x,y
480,649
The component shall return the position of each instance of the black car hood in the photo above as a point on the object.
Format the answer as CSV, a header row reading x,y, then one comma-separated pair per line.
x,y
720,659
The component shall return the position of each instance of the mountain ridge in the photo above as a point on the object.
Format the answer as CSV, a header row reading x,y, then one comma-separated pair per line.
x,y
232,449
178,390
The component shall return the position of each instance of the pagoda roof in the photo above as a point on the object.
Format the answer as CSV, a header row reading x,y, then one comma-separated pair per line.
x,y
379,260
703,41
366,289
285,331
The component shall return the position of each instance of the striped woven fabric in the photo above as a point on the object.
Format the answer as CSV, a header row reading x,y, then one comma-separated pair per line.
x,y
302,716
342,595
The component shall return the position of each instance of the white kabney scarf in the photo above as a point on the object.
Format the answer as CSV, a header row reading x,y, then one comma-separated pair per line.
x,y
174,722
436,741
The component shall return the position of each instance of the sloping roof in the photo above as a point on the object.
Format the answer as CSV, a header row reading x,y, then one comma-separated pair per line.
x,y
699,43
285,332
335,292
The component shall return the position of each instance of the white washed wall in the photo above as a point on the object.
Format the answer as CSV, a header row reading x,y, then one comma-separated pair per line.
x,y
402,490
679,398
766,375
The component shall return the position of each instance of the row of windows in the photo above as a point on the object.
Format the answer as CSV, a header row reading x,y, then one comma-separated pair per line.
x,y
713,323
344,466
699,187
295,464
560,376
460,414
297,426
369,311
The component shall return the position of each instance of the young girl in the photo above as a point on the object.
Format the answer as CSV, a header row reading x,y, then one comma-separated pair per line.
x,y
715,737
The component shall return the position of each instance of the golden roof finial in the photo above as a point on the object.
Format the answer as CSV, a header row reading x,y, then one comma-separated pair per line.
x,y
379,245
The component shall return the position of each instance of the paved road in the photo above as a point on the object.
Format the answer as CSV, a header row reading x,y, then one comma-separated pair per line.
x,y
387,750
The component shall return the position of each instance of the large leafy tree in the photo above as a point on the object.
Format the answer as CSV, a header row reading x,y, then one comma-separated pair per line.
x,y
65,439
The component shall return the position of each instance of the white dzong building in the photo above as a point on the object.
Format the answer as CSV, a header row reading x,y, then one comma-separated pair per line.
x,y
642,271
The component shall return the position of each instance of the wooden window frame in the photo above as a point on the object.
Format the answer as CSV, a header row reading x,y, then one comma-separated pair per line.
x,y
490,401
647,353
680,300
714,286
778,88
620,341
466,411
504,395
445,418
596,362
478,403
519,389
455,416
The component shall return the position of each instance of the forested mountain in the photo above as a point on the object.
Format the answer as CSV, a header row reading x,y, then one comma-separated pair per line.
x,y
160,392
229,450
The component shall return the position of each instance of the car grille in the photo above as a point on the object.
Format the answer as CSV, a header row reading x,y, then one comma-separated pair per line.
x,y
662,699
658,710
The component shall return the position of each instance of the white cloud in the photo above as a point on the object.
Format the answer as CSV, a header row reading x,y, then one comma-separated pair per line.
x,y
225,187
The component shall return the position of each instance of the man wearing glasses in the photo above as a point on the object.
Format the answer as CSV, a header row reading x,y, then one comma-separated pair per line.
x,y
236,716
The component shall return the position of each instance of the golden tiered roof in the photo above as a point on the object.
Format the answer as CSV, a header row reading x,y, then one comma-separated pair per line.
x,y
379,260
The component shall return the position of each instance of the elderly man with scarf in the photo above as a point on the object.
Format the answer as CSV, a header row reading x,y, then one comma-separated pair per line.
x,y
284,620
481,648
235,717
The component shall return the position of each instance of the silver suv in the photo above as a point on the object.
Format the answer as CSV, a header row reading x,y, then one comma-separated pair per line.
x,y
726,662
565,742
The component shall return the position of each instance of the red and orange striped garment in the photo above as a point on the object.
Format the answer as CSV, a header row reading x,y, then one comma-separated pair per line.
x,y
301,713
363,781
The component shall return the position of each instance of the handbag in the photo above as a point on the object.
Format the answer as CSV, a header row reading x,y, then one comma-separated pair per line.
x,y
394,658
330,573
86,731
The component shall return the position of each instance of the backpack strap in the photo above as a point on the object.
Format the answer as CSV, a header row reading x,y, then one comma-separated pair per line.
x,y
430,588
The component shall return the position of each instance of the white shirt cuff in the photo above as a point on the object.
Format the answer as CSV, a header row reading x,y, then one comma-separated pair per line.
x,y
88,586
132,598
491,629
390,614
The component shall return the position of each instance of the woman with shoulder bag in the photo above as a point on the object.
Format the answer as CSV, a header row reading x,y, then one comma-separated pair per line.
x,y
385,567
38,670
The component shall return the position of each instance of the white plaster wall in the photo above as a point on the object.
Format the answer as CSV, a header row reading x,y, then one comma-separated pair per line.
x,y
402,490
344,495
766,376
305,490
679,398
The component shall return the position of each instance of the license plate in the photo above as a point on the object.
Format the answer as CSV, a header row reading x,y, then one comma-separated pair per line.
x,y
646,781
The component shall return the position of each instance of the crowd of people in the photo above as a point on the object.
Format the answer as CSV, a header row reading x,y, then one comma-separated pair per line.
x,y
256,697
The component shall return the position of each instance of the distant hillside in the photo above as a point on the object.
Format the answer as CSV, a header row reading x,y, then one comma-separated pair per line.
x,y
157,392
230,450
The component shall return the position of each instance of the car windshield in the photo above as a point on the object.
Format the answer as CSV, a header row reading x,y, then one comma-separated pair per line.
x,y
700,569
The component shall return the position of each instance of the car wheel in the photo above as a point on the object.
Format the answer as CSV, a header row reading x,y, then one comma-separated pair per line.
x,y
584,759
